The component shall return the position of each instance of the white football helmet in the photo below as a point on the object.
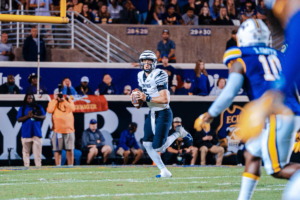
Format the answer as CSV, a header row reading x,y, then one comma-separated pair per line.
x,y
148,55
253,32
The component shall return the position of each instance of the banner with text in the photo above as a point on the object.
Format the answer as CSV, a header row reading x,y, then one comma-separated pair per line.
x,y
89,103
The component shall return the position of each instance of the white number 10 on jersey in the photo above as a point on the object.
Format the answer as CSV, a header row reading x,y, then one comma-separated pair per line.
x,y
271,66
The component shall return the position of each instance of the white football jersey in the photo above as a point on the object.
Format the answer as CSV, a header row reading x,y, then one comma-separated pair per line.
x,y
149,86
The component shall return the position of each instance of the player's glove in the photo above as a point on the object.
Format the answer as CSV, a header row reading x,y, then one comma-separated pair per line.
x,y
201,123
296,147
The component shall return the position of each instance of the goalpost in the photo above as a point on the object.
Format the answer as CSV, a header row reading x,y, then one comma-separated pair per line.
x,y
62,19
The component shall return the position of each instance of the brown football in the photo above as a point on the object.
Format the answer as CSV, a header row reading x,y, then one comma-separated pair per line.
x,y
135,102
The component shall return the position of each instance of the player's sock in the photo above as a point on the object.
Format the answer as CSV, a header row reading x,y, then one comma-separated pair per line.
x,y
154,155
291,191
249,182
182,132
169,141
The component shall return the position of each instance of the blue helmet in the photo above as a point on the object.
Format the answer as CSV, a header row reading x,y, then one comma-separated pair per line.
x,y
148,55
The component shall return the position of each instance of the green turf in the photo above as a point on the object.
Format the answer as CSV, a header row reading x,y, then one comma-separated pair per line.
x,y
131,183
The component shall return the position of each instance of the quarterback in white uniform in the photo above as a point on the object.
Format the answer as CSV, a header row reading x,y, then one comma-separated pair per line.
x,y
153,86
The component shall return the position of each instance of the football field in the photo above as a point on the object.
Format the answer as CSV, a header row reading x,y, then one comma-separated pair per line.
x,y
130,182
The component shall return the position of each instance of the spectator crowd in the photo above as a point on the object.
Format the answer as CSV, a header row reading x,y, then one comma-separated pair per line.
x,y
156,12
196,84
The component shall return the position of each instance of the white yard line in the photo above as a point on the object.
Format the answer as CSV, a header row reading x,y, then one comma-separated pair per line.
x,y
88,172
143,194
100,172
189,182
44,181
223,183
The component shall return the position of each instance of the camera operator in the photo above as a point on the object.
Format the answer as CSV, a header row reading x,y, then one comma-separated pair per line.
x,y
31,115
181,149
63,135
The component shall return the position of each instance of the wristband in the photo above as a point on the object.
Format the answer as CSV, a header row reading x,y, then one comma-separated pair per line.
x,y
148,98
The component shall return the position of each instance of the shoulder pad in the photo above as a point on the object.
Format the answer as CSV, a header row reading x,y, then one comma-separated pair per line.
x,y
140,74
231,54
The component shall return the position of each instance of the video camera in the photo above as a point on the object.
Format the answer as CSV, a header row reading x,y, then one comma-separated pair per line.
x,y
60,94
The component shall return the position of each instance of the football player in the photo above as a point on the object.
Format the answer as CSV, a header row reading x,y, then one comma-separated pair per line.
x,y
256,66
153,88
288,13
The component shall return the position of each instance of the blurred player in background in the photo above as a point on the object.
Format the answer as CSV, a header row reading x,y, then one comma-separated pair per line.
x,y
153,88
288,14
256,66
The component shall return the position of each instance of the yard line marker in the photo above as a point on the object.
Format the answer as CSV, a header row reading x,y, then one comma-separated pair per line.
x,y
44,181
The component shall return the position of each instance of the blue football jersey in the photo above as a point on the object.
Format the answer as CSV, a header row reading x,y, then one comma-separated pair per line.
x,y
262,68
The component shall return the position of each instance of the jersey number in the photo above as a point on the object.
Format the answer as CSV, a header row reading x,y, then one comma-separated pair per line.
x,y
271,66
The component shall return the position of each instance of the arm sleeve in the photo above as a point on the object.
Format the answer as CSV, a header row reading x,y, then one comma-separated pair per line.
x,y
73,91
203,86
161,78
84,140
139,82
102,139
122,141
224,100
71,105
51,106
158,45
19,112
173,45
196,21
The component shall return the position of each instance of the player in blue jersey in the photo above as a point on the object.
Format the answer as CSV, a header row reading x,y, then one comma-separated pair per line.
x,y
255,66
153,86
288,13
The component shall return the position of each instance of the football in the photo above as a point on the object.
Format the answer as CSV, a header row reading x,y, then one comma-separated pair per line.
x,y
136,103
